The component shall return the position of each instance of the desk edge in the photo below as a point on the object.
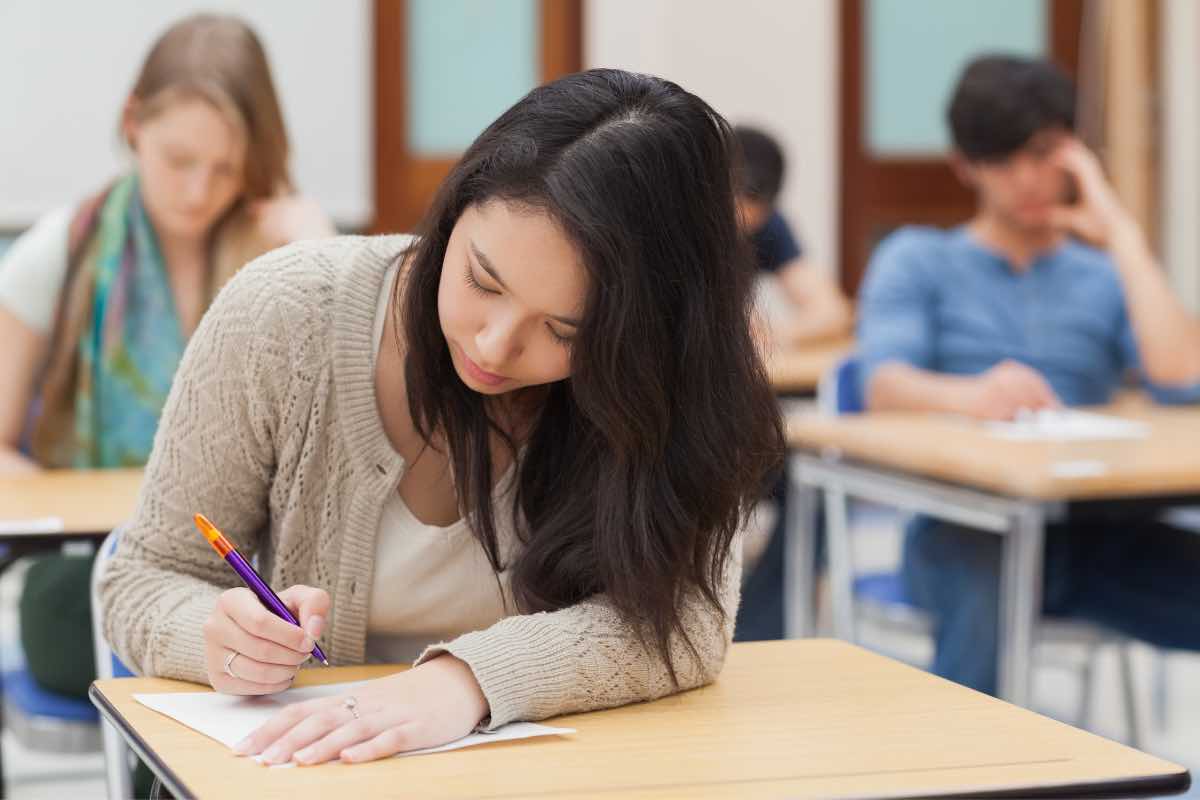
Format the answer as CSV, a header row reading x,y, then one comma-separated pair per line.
x,y
114,717
1149,786
1146,786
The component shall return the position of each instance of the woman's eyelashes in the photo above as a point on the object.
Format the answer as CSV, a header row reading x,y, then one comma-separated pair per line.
x,y
477,287
565,341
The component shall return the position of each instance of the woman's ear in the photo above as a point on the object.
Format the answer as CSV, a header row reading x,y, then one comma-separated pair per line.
x,y
129,122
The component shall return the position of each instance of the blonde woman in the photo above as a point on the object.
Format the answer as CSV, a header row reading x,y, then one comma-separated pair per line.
x,y
98,299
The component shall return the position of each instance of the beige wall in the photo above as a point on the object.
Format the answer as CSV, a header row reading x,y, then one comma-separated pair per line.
x,y
66,67
772,63
775,63
1180,228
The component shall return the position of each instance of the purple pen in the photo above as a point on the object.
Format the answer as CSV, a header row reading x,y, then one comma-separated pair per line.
x,y
242,567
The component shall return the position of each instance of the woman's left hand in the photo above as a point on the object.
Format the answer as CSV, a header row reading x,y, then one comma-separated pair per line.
x,y
430,705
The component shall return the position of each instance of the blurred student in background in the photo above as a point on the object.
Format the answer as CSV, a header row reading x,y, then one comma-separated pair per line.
x,y
1048,296
800,301
98,299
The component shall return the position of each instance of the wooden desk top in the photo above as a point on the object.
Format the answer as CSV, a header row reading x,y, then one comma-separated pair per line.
x,y
956,450
87,501
800,370
795,718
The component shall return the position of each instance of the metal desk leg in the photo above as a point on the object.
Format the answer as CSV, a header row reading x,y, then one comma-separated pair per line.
x,y
6,561
841,563
800,559
1021,601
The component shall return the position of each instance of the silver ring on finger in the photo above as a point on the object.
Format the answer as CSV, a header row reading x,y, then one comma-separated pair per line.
x,y
229,664
351,705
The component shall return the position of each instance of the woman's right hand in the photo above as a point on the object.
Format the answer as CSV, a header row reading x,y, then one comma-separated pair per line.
x,y
12,462
269,650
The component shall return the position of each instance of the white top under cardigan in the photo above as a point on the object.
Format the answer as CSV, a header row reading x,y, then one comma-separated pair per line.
x,y
32,271
430,584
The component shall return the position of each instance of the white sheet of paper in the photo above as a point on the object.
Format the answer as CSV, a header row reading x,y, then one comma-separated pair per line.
x,y
1082,468
230,718
1063,425
40,525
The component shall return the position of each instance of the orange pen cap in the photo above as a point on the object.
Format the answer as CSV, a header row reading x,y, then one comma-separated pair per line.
x,y
214,536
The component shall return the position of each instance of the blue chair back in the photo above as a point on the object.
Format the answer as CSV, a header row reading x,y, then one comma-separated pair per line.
x,y
849,396
839,391
842,394
104,654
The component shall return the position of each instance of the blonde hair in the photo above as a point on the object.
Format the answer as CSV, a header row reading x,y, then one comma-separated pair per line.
x,y
219,59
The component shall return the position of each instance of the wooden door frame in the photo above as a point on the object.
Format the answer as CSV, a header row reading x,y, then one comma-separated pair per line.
x,y
403,182
884,191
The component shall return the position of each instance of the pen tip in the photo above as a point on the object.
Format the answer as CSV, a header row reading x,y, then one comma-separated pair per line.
x,y
325,662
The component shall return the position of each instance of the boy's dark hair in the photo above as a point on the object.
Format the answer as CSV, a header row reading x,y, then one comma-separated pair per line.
x,y
760,164
1001,101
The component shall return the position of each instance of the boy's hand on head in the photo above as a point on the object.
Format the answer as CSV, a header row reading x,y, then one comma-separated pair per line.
x,y
1007,389
1098,215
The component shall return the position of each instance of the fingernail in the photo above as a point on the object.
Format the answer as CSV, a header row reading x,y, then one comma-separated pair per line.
x,y
242,748
312,626
273,755
308,644
304,756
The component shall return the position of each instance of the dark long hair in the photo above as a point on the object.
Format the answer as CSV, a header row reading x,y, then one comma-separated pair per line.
x,y
642,465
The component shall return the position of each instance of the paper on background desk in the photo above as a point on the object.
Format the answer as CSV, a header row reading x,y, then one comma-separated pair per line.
x,y
1066,425
39,525
230,718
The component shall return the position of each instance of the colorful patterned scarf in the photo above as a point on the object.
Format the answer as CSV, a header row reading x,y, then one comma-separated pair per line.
x,y
117,340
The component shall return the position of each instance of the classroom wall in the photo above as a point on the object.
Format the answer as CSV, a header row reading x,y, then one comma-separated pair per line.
x,y
763,62
1180,116
66,67
786,61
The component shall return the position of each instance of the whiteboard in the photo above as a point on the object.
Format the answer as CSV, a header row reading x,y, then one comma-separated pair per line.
x,y
67,66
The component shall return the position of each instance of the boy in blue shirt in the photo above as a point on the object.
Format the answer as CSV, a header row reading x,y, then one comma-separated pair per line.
x,y
1048,296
